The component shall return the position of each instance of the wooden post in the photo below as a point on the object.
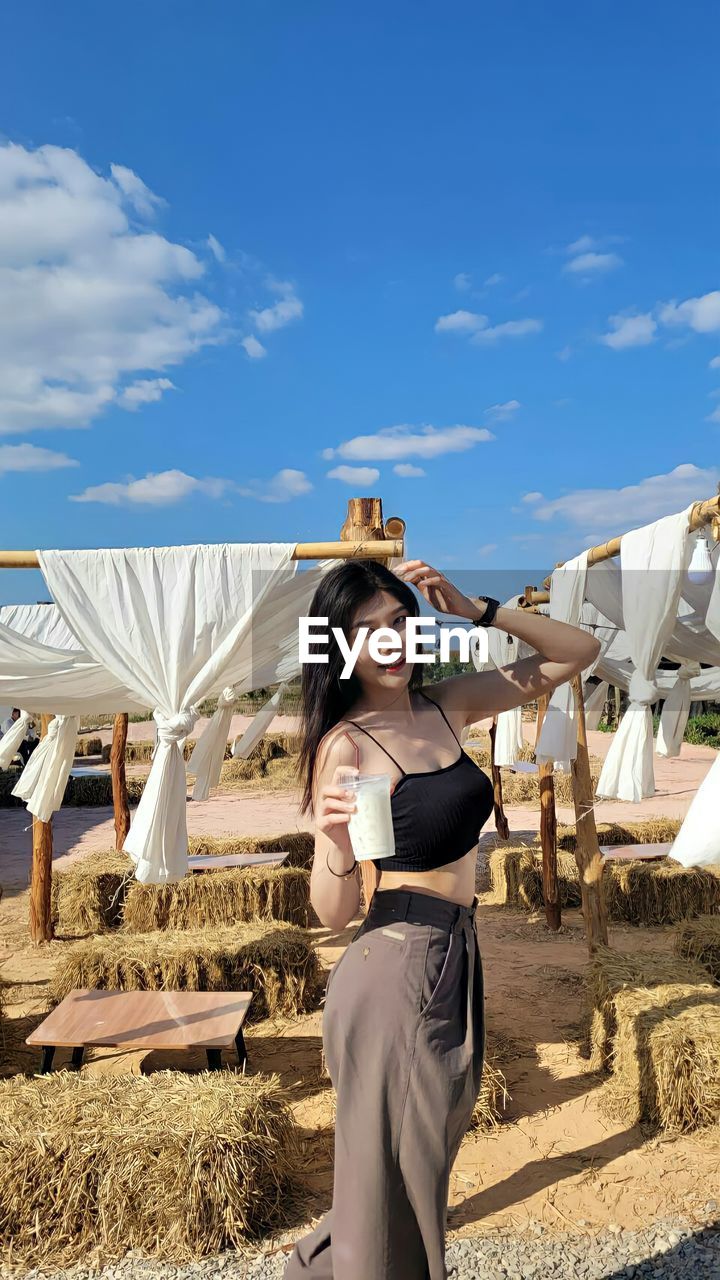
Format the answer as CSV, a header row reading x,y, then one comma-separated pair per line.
x,y
587,850
364,522
501,821
41,929
119,782
548,829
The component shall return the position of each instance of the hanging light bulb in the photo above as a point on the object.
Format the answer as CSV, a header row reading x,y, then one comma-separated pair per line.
x,y
700,569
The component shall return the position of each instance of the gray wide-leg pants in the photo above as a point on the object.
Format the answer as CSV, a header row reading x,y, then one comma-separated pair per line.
x,y
404,1042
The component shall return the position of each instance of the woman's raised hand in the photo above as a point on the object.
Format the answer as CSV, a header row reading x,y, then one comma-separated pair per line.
x,y
334,806
436,588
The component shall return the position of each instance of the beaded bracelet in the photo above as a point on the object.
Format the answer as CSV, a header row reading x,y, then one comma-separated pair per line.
x,y
342,875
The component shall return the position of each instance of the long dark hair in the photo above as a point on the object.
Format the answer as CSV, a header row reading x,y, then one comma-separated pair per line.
x,y
325,698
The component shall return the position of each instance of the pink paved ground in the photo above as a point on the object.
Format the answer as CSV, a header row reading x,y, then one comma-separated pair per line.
x,y
78,831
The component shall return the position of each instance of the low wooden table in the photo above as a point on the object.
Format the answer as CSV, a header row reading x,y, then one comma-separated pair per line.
x,y
634,852
524,766
208,862
209,1020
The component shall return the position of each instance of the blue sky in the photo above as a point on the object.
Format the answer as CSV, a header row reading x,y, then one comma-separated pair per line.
x,y
258,258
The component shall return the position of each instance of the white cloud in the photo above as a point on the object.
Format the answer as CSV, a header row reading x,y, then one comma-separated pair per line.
x,y
630,331
393,443
535,496
714,416
216,248
494,279
355,475
583,245
282,487
253,348
509,329
564,353
487,548
460,322
408,469
28,457
498,412
609,510
159,489
284,311
142,199
700,314
593,264
462,281
146,391
87,298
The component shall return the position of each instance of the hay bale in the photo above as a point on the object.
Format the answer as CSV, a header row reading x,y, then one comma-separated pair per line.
x,y
88,747
637,893
481,755
172,1165
88,897
610,972
651,831
299,845
223,897
506,865
278,964
665,1054
699,941
8,779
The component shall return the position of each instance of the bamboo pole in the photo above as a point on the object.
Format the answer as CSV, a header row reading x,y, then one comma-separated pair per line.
x,y
587,850
41,929
706,512
501,821
548,829
119,781
359,549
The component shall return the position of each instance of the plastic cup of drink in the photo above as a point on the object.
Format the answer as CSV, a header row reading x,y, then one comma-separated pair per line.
x,y
370,826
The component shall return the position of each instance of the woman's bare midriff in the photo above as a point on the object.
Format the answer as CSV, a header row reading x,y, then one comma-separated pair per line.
x,y
455,881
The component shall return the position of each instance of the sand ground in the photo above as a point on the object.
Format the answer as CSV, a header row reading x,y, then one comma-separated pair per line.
x,y
556,1158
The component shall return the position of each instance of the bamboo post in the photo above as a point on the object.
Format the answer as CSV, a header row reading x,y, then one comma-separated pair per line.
x,y
501,821
119,781
41,929
548,829
587,850
364,521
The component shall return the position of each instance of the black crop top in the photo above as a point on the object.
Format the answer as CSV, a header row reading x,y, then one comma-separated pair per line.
x,y
437,814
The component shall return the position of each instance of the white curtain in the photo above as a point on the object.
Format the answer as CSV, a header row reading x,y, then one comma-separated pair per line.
x,y
558,733
697,843
652,560
10,741
169,623
209,750
43,781
62,681
675,711
244,743
595,705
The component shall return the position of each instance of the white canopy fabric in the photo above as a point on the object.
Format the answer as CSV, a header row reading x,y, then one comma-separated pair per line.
x,y
43,781
594,705
39,622
10,741
558,733
652,561
503,649
170,623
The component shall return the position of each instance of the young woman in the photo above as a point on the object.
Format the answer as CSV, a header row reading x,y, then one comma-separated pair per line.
x,y
403,1021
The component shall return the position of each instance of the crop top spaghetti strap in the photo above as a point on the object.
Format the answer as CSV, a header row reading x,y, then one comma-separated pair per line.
x,y
437,814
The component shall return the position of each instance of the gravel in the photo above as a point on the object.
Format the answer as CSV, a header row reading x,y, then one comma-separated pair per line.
x,y
669,1250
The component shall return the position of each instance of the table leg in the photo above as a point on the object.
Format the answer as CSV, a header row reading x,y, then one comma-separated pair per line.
x,y
77,1056
48,1054
214,1059
241,1050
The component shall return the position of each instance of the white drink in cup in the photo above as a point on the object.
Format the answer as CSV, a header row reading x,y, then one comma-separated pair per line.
x,y
370,826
